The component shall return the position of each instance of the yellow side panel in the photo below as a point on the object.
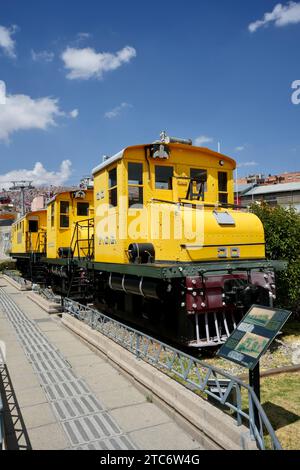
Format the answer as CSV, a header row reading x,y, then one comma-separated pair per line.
x,y
60,237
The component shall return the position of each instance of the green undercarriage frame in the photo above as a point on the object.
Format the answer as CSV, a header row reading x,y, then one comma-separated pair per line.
x,y
163,270
169,270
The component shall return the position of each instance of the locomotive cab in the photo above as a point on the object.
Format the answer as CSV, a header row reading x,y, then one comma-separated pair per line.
x,y
176,197
70,232
29,234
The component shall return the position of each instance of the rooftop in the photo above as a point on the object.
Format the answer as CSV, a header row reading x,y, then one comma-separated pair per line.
x,y
273,188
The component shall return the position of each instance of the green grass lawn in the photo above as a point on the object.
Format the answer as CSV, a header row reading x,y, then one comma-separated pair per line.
x,y
280,397
280,394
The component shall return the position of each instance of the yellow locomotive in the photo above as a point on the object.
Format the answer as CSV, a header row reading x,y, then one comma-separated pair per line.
x,y
161,243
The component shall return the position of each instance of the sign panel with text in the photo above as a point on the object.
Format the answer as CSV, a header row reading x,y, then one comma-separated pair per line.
x,y
253,335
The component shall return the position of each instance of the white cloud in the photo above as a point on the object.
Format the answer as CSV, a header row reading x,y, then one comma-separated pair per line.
x,y
74,114
202,139
21,112
86,63
246,164
39,175
117,111
240,148
82,36
42,56
6,41
282,15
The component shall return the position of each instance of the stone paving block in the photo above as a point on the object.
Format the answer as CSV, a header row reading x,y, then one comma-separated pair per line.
x,y
93,370
107,382
32,396
37,415
47,326
166,436
22,381
60,336
135,417
50,437
73,348
18,365
122,397
84,360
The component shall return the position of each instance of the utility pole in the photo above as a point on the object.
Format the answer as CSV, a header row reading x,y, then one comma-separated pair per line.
x,y
22,186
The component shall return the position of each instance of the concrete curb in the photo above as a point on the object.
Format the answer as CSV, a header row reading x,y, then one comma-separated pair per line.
x,y
22,287
49,307
215,430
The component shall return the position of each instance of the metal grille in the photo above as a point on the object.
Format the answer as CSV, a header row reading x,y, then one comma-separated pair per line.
x,y
84,419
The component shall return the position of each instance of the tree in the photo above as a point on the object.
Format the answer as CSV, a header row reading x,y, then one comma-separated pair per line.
x,y
282,234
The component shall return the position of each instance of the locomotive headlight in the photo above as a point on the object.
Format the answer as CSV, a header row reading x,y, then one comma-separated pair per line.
x,y
221,163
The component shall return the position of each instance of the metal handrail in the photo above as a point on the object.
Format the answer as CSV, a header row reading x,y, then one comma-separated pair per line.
x,y
75,240
40,246
190,371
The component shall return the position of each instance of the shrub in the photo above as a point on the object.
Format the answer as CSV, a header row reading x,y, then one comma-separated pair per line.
x,y
7,264
282,233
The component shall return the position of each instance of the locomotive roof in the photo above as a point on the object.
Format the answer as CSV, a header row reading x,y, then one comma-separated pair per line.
x,y
66,192
30,213
118,156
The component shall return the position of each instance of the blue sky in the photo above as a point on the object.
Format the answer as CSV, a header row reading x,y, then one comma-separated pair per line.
x,y
192,68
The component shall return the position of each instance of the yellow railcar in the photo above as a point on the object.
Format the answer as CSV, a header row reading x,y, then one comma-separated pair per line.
x,y
29,233
67,216
28,243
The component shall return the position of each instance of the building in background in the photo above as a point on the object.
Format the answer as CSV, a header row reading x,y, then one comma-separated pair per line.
x,y
282,190
8,215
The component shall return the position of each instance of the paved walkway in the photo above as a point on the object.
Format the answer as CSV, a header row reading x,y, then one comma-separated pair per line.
x,y
62,395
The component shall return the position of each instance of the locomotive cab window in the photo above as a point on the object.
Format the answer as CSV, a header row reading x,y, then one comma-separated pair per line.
x,y
223,187
33,226
64,214
112,187
83,209
163,177
198,182
135,184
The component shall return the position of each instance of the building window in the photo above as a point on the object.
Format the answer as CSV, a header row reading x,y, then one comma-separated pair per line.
x,y
64,214
135,184
163,177
112,187
83,209
223,187
52,214
33,226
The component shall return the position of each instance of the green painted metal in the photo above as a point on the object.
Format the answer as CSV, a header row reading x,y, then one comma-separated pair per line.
x,y
169,270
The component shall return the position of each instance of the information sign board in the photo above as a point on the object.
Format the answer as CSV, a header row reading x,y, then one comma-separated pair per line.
x,y
253,335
